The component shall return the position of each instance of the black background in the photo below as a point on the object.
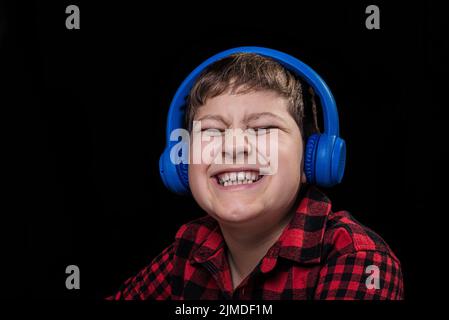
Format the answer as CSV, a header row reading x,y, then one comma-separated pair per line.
x,y
85,110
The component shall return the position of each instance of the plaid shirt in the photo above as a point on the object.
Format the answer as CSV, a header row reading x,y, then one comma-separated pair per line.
x,y
319,255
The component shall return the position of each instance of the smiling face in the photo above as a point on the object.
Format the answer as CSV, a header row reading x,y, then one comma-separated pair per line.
x,y
236,194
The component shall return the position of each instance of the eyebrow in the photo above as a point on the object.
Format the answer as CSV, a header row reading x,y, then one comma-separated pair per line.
x,y
255,116
249,117
215,117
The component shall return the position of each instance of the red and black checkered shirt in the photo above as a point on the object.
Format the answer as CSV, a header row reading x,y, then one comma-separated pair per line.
x,y
319,255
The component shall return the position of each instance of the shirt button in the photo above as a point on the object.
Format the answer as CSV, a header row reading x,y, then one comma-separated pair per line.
x,y
243,291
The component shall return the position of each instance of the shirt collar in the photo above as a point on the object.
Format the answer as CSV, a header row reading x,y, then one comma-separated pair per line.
x,y
301,241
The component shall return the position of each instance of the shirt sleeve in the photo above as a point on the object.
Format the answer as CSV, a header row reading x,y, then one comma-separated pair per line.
x,y
153,282
363,275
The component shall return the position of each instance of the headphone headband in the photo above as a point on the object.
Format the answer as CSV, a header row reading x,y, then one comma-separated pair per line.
x,y
175,118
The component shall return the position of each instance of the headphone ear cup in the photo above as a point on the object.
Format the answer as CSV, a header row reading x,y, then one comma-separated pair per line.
x,y
183,174
338,160
174,176
310,156
330,160
323,162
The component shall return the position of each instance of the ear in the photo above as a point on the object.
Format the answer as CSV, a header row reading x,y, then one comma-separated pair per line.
x,y
303,177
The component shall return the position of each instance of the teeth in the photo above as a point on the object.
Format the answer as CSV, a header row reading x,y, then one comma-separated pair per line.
x,y
236,178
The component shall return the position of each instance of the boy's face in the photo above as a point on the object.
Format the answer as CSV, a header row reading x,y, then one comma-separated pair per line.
x,y
267,199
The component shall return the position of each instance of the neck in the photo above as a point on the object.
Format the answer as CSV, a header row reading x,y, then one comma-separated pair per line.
x,y
248,244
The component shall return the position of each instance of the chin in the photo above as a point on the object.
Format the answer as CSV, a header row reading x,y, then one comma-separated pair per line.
x,y
237,213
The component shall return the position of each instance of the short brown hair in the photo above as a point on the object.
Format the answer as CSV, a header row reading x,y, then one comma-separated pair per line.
x,y
247,72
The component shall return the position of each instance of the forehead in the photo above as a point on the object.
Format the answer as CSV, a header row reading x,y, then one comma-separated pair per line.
x,y
238,105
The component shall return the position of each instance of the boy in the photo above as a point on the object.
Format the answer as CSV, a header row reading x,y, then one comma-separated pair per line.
x,y
265,236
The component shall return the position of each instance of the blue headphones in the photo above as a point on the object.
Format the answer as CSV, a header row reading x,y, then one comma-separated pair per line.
x,y
325,153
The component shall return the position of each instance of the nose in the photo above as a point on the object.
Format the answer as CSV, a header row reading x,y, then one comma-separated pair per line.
x,y
237,146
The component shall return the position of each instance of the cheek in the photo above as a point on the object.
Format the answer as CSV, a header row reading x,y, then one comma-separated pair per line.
x,y
290,161
197,175
197,171
198,182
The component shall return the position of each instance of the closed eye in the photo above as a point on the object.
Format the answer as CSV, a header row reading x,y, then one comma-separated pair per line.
x,y
212,131
262,130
